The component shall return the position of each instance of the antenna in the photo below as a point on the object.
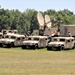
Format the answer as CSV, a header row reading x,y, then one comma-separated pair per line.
x,y
48,21
40,20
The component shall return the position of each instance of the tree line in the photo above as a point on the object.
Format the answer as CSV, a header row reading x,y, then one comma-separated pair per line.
x,y
27,20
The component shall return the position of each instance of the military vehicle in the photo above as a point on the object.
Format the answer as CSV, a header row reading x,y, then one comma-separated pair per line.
x,y
35,42
67,30
12,40
4,31
9,31
61,43
45,27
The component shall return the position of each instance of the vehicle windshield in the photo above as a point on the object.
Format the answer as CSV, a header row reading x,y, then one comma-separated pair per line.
x,y
13,37
36,38
62,39
10,31
29,38
6,36
23,38
55,40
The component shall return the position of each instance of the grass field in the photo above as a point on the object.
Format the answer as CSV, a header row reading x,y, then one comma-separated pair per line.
x,y
15,61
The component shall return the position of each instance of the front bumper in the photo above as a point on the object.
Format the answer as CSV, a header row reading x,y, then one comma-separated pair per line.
x,y
28,46
53,47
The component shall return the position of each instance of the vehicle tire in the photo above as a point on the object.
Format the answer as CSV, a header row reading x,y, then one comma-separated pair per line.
x,y
12,44
36,46
9,45
61,47
23,47
54,49
73,46
49,48
1,45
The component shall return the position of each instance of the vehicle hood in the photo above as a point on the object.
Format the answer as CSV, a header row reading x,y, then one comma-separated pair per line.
x,y
11,40
29,41
56,42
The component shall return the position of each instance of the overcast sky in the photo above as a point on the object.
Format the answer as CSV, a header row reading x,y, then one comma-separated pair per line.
x,y
39,5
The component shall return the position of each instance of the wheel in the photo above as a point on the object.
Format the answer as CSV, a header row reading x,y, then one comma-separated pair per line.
x,y
49,48
36,46
61,47
1,45
54,49
12,44
73,46
23,47
9,46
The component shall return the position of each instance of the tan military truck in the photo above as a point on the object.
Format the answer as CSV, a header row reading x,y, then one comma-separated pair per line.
x,y
67,30
35,42
4,32
12,40
61,43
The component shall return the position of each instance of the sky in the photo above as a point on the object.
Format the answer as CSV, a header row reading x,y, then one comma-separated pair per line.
x,y
39,5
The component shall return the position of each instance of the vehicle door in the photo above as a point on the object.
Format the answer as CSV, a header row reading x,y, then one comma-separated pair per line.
x,y
22,39
42,43
18,41
68,43
71,43
45,42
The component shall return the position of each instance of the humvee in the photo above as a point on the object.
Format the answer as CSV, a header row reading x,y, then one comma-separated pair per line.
x,y
35,42
4,32
61,43
9,31
12,40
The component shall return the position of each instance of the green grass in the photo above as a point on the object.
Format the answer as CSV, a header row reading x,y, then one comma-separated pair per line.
x,y
15,61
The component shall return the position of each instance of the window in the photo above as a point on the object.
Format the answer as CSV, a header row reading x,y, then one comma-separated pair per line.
x,y
36,38
13,37
6,36
29,38
18,39
62,39
72,40
4,32
15,32
0,35
68,40
45,38
10,31
55,39
23,38
74,37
